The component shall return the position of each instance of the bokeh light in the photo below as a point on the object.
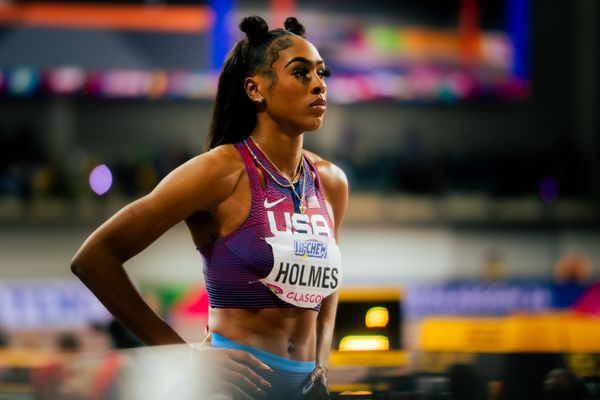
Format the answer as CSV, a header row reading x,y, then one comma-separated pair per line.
x,y
23,81
364,343
100,179
377,317
549,189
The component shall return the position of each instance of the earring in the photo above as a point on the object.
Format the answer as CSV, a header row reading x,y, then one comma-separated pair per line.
x,y
258,99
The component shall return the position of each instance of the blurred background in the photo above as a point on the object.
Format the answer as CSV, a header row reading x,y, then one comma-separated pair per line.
x,y
470,135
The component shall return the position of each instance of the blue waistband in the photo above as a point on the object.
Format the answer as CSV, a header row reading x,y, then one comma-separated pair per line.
x,y
270,359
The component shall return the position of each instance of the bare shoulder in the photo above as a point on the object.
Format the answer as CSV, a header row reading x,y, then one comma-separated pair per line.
x,y
220,161
220,164
335,187
332,176
202,182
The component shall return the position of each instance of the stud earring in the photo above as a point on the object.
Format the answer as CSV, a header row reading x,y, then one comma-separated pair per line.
x,y
258,99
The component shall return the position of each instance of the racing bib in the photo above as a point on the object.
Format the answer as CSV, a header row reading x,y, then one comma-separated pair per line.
x,y
306,268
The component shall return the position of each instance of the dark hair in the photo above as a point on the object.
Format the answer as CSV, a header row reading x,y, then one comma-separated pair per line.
x,y
234,115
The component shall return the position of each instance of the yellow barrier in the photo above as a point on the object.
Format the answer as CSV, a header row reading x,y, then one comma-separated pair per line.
x,y
390,358
514,334
370,293
26,358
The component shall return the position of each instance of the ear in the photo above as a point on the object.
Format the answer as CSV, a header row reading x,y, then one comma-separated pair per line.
x,y
252,86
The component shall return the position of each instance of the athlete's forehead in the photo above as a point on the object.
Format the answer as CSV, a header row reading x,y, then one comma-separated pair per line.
x,y
301,50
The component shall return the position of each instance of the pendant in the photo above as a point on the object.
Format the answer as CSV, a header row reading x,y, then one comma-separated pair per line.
x,y
302,208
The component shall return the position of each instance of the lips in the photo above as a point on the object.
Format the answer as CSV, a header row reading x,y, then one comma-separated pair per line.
x,y
319,105
319,102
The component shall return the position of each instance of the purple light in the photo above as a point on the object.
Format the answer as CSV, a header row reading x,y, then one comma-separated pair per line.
x,y
100,179
549,189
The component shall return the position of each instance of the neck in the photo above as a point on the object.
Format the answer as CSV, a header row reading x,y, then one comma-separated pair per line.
x,y
285,151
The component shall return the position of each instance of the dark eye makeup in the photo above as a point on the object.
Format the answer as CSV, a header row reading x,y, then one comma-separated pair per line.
x,y
303,72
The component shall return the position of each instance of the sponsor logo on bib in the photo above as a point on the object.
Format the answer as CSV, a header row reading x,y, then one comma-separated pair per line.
x,y
310,248
275,289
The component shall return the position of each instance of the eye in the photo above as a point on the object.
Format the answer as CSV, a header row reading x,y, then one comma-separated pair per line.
x,y
324,73
301,72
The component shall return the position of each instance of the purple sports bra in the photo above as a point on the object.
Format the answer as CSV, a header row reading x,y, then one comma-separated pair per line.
x,y
279,256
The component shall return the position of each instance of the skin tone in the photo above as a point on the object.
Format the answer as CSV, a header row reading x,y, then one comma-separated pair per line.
x,y
211,193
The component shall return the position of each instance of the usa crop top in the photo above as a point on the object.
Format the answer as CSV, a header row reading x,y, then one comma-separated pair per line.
x,y
279,257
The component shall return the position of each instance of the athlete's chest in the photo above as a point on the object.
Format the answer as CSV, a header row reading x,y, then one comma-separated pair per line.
x,y
279,215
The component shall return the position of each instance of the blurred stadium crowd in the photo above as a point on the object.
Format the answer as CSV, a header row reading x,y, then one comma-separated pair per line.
x,y
513,311
28,170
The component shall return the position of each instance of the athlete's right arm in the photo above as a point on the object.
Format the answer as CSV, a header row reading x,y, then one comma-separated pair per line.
x,y
201,184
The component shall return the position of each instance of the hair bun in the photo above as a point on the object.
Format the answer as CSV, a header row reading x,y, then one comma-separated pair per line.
x,y
291,24
256,29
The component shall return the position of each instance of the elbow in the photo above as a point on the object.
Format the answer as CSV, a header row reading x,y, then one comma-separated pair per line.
x,y
93,257
77,267
90,262
80,265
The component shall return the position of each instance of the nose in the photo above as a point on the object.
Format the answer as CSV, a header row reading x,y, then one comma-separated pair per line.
x,y
320,86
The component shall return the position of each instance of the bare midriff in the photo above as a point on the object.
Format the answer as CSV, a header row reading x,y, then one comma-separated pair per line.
x,y
286,332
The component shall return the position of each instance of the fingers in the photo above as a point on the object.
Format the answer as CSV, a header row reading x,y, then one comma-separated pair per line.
x,y
207,340
247,364
238,369
316,385
242,384
250,360
248,375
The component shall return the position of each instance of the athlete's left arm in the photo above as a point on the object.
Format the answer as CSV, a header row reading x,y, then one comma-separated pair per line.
x,y
335,188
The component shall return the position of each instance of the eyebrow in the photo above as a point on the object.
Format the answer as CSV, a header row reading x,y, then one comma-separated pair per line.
x,y
302,60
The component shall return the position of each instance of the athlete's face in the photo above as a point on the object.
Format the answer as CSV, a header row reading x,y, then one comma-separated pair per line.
x,y
296,100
